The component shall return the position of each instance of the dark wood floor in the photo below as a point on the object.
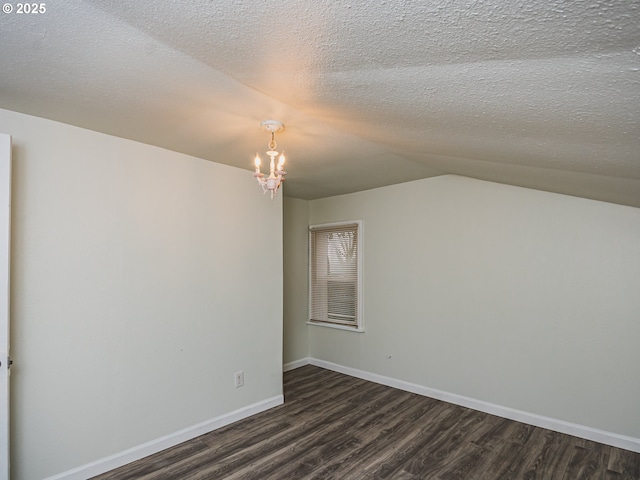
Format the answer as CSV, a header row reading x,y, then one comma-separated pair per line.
x,y
333,426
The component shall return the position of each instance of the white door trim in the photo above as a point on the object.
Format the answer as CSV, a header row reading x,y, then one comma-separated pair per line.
x,y
5,237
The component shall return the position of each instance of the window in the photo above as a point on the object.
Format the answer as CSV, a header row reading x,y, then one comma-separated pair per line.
x,y
334,275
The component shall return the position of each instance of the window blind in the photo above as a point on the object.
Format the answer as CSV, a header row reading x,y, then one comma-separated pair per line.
x,y
333,272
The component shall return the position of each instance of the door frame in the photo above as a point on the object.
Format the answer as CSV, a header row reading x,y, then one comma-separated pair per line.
x,y
5,244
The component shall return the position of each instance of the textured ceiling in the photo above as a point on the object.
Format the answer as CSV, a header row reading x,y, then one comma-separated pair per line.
x,y
536,93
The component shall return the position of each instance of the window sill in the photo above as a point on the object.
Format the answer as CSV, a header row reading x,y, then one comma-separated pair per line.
x,y
336,326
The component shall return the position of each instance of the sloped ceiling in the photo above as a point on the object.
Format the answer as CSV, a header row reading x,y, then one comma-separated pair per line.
x,y
536,93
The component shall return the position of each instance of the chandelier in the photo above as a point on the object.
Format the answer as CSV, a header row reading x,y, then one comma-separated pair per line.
x,y
276,171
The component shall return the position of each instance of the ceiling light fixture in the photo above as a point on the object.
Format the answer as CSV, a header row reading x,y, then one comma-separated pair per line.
x,y
276,172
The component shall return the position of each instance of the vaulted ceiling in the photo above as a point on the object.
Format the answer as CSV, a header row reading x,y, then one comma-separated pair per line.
x,y
537,93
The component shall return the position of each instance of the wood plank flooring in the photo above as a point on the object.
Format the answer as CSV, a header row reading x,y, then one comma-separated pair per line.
x,y
333,426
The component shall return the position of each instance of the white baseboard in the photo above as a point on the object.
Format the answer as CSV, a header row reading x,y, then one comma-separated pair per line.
x,y
154,446
581,431
296,364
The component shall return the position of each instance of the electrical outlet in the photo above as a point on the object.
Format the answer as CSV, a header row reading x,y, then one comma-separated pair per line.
x,y
239,377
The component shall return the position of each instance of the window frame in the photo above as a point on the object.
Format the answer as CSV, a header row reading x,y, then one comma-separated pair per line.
x,y
358,326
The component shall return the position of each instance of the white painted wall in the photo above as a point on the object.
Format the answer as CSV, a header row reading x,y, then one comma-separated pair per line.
x,y
516,297
296,280
142,279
